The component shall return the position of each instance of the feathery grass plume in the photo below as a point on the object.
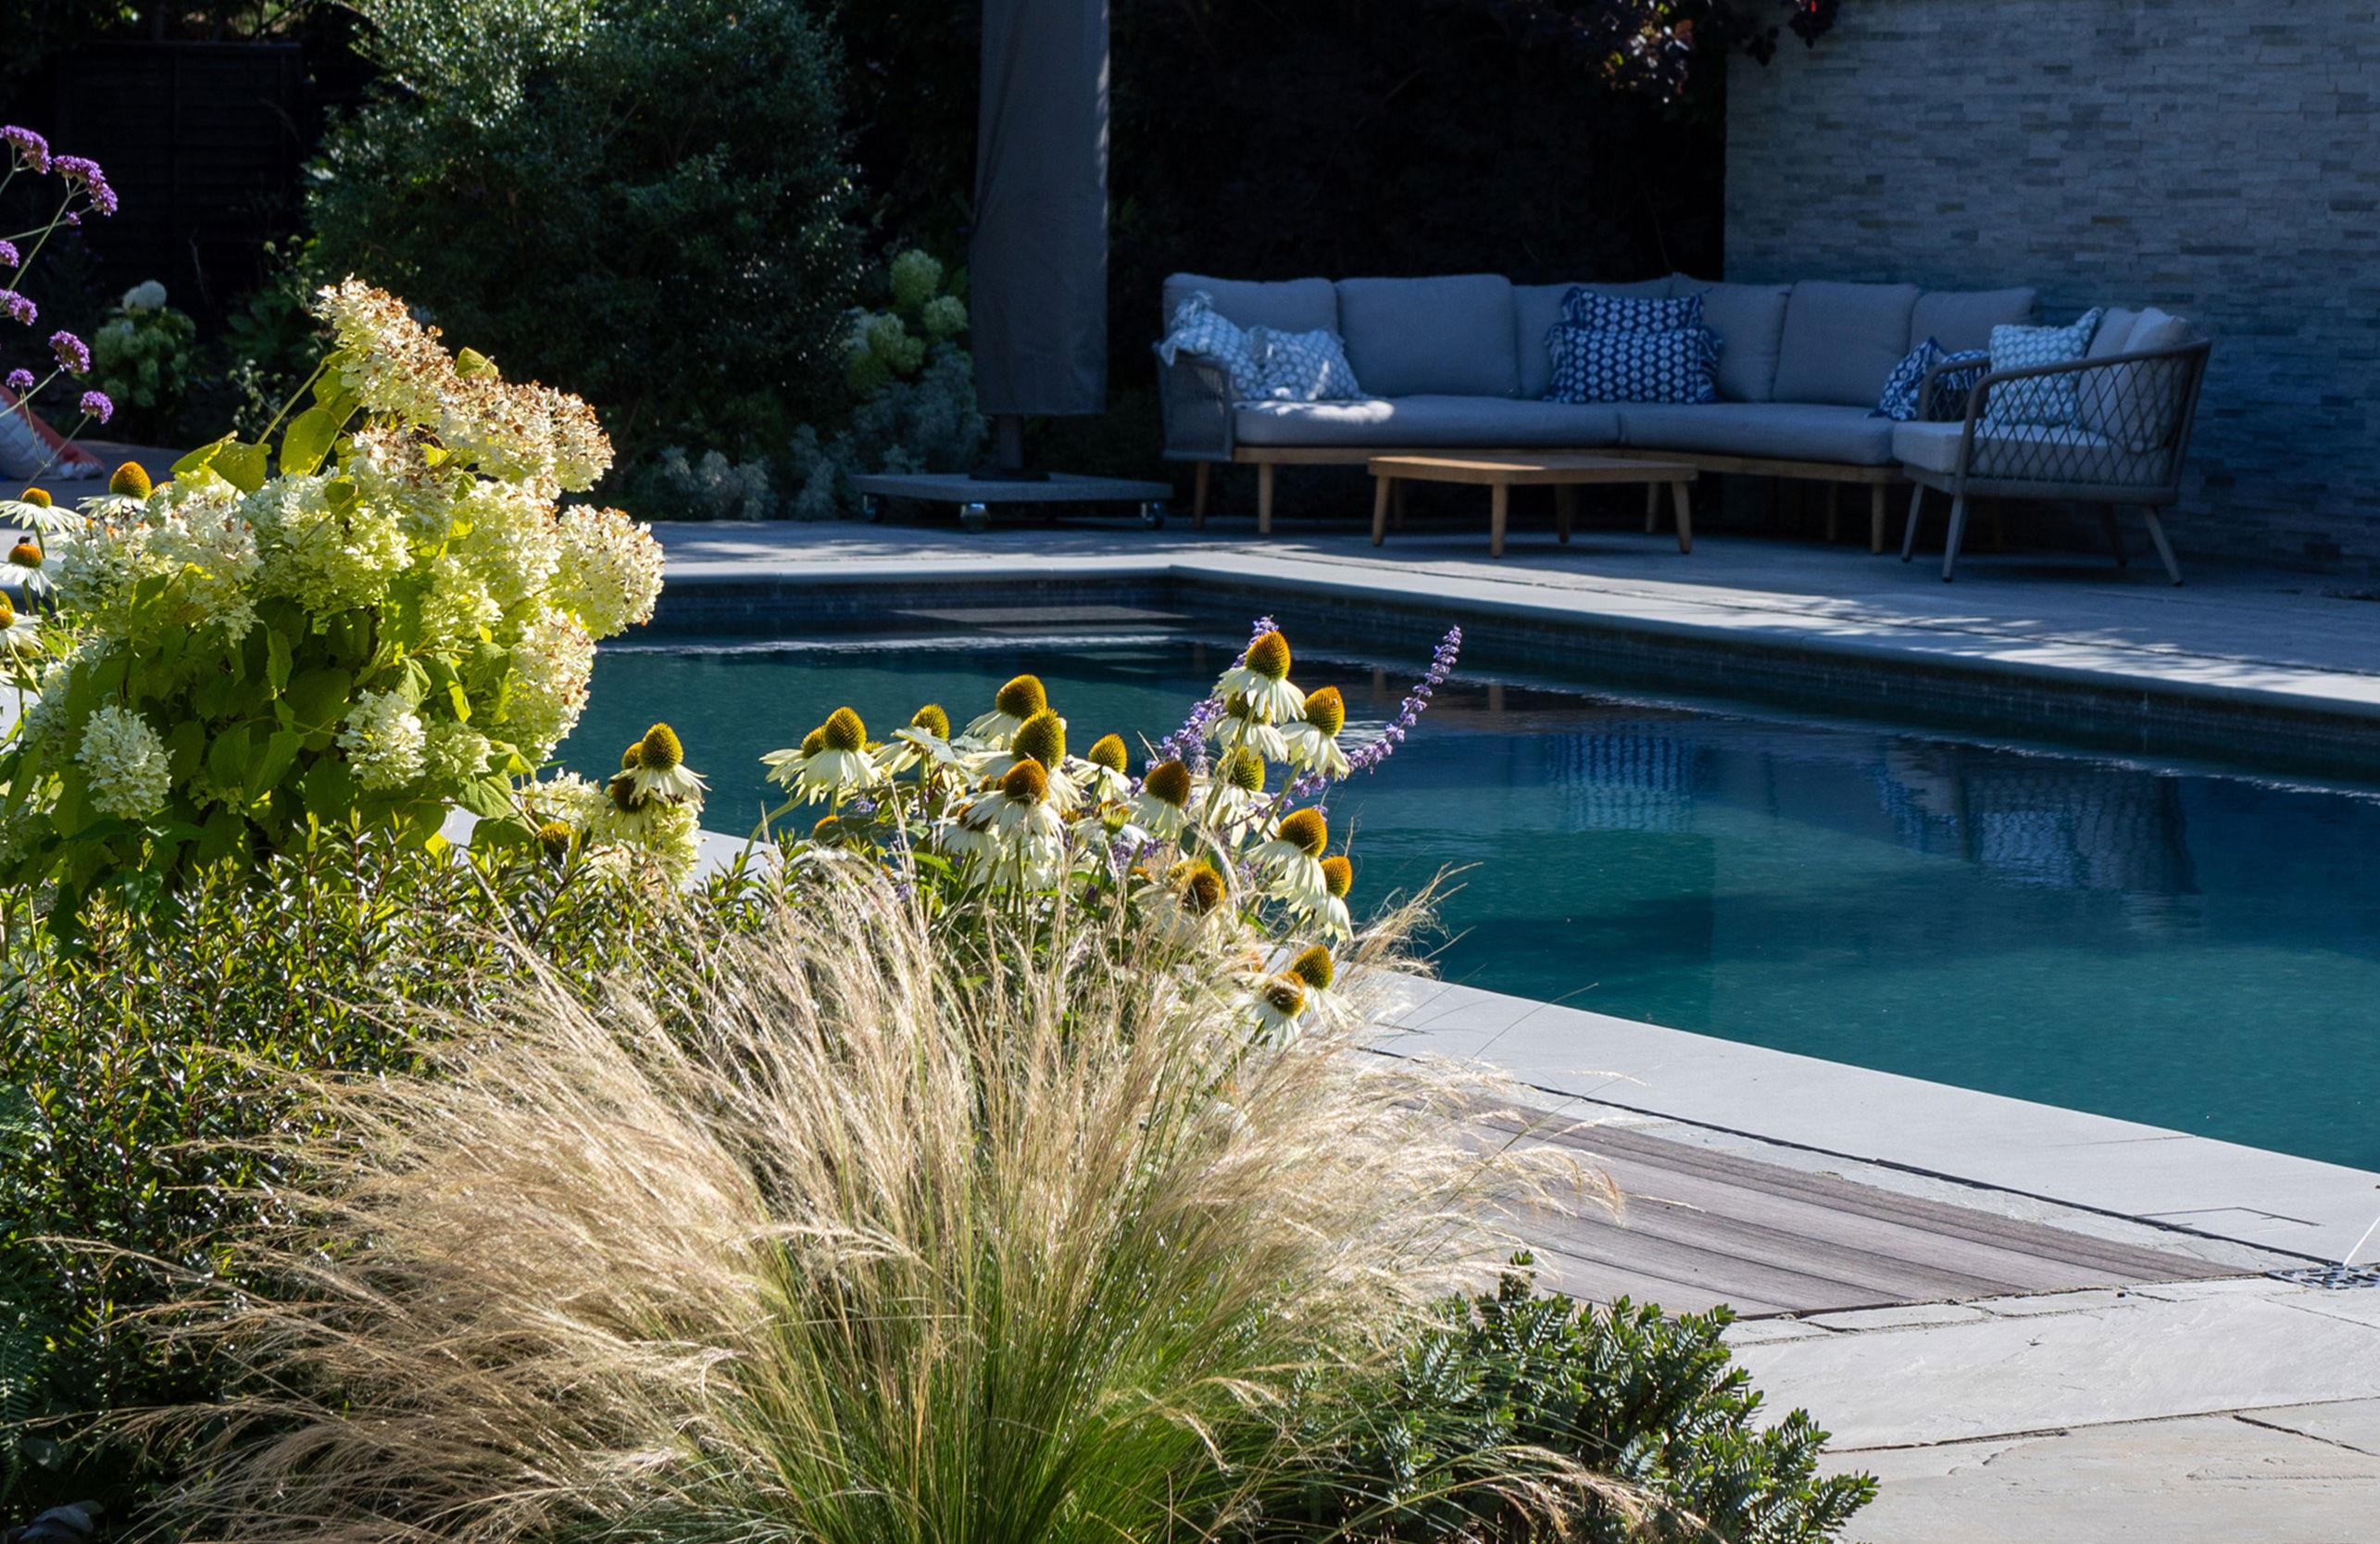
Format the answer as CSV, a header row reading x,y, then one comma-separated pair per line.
x,y
857,1233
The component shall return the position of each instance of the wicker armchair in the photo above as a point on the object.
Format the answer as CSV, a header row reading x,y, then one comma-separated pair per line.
x,y
2122,443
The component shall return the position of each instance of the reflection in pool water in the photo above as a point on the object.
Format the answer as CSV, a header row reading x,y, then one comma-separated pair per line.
x,y
2194,951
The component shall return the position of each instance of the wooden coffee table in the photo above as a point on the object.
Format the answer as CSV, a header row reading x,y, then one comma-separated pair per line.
x,y
1501,471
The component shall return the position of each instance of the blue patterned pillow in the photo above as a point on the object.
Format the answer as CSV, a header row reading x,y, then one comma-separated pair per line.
x,y
1951,388
1201,328
1630,313
2050,400
1605,365
1301,367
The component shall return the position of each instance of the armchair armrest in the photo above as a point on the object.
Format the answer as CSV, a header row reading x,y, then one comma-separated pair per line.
x,y
1195,397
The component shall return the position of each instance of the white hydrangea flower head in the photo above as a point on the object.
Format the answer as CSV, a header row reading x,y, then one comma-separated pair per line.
x,y
456,608
566,798
205,541
515,545
454,749
384,740
324,559
124,762
551,665
610,569
98,562
390,470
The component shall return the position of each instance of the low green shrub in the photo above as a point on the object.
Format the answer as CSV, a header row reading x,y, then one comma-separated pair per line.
x,y
146,357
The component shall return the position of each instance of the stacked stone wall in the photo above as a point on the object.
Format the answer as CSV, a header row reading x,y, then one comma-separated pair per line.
x,y
2219,158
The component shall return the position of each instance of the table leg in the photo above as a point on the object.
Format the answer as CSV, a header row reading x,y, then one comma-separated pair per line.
x,y
1264,498
1685,516
1499,504
1875,519
1205,479
1565,508
1652,506
1380,493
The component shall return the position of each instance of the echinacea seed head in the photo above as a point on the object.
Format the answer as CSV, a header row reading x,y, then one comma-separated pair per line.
x,y
38,497
1042,737
660,750
25,554
1169,781
1200,889
624,795
1243,769
1307,831
823,829
555,838
932,720
629,757
1027,783
1268,657
1327,710
1108,751
1287,994
1338,876
815,741
1314,968
1022,697
7,612
131,481
844,730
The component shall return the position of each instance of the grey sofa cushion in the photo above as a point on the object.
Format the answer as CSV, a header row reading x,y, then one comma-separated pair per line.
x,y
1962,321
1287,306
1787,430
1841,342
1749,319
2115,332
1447,336
2030,452
2137,404
1429,422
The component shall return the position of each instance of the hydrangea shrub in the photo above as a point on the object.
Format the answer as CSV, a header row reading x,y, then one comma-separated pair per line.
x,y
388,615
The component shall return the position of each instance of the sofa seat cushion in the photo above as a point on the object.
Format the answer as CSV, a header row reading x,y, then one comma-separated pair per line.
x,y
1286,305
1779,431
1435,422
2028,452
1840,341
1444,336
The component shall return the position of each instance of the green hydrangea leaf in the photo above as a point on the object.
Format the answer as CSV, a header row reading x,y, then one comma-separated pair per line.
x,y
306,442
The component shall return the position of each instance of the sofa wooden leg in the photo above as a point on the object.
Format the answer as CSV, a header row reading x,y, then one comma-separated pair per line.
x,y
1685,515
1499,506
1957,530
2115,535
1380,493
1652,506
1264,471
1565,509
1909,527
1202,484
1875,519
2165,548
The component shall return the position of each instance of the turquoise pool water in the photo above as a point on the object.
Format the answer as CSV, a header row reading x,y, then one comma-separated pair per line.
x,y
2196,951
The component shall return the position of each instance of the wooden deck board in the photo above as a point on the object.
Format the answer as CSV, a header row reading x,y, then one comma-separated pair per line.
x,y
1703,1228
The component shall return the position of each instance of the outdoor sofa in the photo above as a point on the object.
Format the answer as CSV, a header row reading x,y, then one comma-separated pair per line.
x,y
1461,361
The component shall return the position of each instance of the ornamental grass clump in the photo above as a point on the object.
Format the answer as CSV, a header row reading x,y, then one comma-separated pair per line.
x,y
388,614
855,1235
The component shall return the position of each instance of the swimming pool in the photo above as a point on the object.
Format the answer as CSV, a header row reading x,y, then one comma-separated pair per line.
x,y
2189,949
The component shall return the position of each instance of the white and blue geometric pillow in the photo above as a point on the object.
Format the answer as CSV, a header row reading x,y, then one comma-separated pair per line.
x,y
1301,367
1610,365
2048,400
1617,313
1951,388
1201,328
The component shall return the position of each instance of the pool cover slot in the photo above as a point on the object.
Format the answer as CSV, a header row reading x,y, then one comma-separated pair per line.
x,y
2332,1278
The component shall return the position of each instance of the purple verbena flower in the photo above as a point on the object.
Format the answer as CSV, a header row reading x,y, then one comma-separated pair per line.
x,y
32,151
73,355
8,257
18,307
20,380
1408,712
79,171
96,405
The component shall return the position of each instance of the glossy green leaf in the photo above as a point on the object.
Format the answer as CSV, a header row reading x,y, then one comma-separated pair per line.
x,y
306,442
202,457
243,466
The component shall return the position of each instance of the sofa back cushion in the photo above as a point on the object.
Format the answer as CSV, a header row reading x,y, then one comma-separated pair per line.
x,y
1749,319
1448,336
1286,304
1842,341
1962,321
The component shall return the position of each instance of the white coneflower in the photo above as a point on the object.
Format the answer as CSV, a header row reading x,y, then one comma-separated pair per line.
x,y
1294,855
1041,739
840,766
924,740
1162,806
34,571
1280,1001
656,765
34,509
1011,705
1311,743
1329,917
19,634
1189,900
1262,681
1012,835
1101,774
1237,725
1238,787
785,766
